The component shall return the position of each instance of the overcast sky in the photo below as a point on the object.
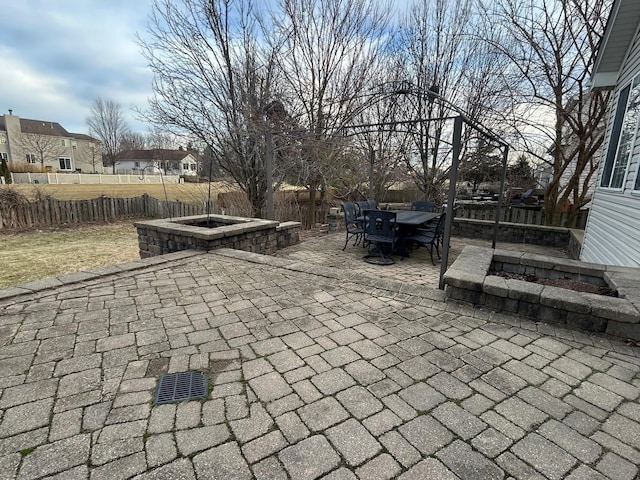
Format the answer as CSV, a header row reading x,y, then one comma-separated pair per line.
x,y
57,56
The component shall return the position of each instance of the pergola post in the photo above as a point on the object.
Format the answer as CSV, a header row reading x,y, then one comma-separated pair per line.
x,y
453,179
505,154
372,161
268,160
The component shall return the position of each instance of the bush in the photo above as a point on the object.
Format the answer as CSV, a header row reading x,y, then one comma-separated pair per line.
x,y
190,178
10,197
24,167
4,171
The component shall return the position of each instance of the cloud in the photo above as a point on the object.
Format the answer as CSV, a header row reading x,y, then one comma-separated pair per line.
x,y
57,57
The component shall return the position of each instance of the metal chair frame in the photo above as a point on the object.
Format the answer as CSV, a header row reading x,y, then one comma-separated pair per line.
x,y
352,226
381,232
428,237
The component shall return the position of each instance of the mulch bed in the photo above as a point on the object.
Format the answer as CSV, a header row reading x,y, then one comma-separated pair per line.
x,y
567,283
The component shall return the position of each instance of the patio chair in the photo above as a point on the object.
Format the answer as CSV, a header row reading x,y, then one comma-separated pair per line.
x,y
423,206
372,205
361,207
428,238
352,225
381,234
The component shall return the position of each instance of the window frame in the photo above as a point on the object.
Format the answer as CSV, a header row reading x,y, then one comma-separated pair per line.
x,y
67,161
635,189
31,158
615,139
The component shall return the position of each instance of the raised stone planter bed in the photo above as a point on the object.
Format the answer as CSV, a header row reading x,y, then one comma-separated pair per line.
x,y
199,232
468,279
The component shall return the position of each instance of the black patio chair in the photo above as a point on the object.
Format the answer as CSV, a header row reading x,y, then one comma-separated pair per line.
x,y
361,206
428,238
353,226
372,205
381,234
423,206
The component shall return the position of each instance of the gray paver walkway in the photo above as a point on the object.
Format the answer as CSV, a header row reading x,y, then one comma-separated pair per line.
x,y
316,371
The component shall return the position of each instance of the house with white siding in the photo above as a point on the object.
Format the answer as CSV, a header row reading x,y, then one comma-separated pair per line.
x,y
612,233
169,162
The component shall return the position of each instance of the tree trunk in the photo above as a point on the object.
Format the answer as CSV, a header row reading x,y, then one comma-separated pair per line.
x,y
312,205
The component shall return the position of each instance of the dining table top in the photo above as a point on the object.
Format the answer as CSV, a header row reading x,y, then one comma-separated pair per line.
x,y
414,217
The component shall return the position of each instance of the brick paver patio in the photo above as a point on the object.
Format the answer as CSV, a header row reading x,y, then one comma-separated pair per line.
x,y
320,366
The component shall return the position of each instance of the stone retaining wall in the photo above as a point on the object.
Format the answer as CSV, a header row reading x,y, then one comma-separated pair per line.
x,y
513,232
559,237
468,280
159,237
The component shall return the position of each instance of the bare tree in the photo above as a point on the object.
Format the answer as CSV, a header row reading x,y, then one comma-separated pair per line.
x,y
552,46
213,80
43,147
108,124
159,138
327,56
133,141
444,63
93,150
433,51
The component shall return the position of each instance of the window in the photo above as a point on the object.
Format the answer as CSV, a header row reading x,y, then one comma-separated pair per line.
x,y
3,139
3,156
193,167
31,158
64,142
623,134
136,164
185,166
65,163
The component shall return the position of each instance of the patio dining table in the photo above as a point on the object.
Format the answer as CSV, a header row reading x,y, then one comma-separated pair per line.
x,y
413,218
408,221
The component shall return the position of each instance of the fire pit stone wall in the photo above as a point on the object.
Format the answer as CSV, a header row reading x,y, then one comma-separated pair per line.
x,y
199,232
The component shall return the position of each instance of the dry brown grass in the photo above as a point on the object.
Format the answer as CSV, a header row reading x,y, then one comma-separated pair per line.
x,y
49,253
185,192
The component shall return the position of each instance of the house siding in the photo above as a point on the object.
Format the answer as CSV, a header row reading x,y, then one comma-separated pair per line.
x,y
86,157
613,228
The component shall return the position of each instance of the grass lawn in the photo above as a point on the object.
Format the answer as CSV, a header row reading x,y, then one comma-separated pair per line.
x,y
185,192
39,254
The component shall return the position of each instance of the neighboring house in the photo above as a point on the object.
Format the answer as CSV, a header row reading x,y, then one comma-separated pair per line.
x,y
48,145
612,234
148,162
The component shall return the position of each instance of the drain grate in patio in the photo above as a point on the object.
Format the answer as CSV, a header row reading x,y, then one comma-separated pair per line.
x,y
176,387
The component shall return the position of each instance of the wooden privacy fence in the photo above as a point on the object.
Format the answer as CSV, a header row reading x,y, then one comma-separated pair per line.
x,y
50,212
514,215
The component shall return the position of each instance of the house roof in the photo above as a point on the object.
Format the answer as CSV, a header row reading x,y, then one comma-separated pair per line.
x,y
620,31
45,127
155,154
41,127
82,136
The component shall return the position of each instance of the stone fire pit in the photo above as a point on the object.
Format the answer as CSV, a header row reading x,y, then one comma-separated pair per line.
x,y
202,232
469,280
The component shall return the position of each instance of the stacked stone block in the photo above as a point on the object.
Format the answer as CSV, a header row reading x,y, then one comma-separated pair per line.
x,y
159,237
469,280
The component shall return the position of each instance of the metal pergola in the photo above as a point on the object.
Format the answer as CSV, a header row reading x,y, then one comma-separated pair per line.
x,y
459,119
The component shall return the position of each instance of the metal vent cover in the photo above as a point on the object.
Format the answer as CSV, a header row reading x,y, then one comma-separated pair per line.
x,y
176,387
